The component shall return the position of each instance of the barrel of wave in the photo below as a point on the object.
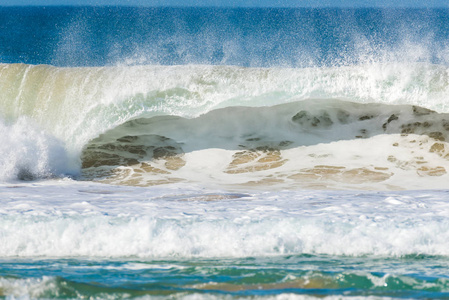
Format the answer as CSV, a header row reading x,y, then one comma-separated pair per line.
x,y
76,105
61,105
71,105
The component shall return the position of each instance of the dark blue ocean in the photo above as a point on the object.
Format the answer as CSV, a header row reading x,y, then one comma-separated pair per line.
x,y
250,37
224,153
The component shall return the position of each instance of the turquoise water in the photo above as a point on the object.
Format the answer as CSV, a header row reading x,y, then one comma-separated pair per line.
x,y
415,276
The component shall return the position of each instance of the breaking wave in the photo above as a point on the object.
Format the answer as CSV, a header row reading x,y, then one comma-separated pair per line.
x,y
250,119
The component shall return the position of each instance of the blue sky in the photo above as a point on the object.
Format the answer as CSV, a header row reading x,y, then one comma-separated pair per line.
x,y
237,3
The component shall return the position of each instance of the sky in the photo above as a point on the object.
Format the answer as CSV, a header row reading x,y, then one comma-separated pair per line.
x,y
238,3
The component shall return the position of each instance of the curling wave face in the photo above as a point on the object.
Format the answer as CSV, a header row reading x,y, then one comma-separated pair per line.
x,y
147,125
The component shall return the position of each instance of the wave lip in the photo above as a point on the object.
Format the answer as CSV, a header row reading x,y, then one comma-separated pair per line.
x,y
74,106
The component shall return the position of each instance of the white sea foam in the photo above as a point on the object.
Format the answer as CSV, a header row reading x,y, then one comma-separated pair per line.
x,y
69,219
27,152
32,288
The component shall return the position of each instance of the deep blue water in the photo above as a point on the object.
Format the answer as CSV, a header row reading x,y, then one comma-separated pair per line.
x,y
86,36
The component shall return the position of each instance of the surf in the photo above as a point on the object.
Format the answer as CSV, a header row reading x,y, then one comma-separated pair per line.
x,y
246,117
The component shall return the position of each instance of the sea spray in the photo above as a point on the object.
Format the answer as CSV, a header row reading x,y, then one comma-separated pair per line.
x,y
249,37
29,153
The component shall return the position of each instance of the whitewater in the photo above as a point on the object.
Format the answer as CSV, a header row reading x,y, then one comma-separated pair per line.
x,y
205,153
242,119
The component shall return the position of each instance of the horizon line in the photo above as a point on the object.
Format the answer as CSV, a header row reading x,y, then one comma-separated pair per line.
x,y
228,6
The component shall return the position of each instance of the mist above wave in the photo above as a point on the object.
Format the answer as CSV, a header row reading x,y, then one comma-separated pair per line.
x,y
264,37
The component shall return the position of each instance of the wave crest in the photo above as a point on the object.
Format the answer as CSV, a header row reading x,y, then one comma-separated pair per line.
x,y
76,105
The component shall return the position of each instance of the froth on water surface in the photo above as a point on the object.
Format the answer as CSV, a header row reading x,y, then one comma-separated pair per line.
x,y
316,144
135,242
73,219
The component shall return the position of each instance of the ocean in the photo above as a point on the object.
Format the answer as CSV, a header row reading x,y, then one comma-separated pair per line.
x,y
224,153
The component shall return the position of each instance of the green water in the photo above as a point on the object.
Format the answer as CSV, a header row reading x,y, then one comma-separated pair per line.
x,y
316,276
